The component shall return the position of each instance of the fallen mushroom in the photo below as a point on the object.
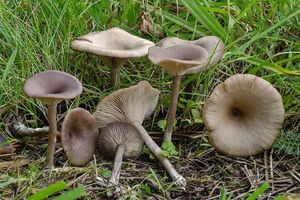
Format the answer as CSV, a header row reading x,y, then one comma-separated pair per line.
x,y
79,136
5,145
177,60
132,105
114,47
243,115
118,140
51,87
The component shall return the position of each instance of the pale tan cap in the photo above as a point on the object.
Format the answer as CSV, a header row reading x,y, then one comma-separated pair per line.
x,y
243,115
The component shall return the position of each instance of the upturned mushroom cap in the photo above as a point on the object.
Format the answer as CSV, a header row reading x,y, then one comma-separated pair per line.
x,y
176,60
212,44
52,86
131,104
119,133
79,136
113,42
5,146
243,115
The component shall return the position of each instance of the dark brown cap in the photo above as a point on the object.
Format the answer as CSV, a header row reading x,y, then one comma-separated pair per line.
x,y
79,136
52,86
243,115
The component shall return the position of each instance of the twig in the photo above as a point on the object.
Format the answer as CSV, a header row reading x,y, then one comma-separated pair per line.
x,y
20,129
266,166
271,168
295,177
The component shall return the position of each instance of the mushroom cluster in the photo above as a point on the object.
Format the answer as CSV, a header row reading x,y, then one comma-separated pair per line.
x,y
243,115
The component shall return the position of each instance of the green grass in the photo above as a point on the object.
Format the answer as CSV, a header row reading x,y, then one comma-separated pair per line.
x,y
261,37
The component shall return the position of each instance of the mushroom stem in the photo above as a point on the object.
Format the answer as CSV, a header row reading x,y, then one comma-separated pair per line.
x,y
115,76
52,134
172,109
114,180
157,152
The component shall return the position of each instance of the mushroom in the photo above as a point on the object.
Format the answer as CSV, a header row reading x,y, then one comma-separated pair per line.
x,y
120,139
5,145
51,87
212,44
178,57
243,115
132,105
114,47
79,136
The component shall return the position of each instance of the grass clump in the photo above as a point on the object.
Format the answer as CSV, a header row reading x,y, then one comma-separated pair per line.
x,y
261,38
288,142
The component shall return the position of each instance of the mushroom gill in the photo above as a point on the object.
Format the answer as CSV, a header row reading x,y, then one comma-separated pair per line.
x,y
132,105
243,115
118,140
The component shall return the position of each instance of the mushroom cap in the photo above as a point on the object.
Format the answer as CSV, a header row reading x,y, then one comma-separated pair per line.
x,y
212,44
176,60
119,133
131,104
52,86
243,115
5,146
113,42
79,136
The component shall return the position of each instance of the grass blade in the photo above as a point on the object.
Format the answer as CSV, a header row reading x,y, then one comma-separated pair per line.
x,y
49,190
272,66
208,21
262,34
9,65
73,194
259,191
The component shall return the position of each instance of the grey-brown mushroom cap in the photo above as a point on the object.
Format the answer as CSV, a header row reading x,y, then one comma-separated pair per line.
x,y
119,133
79,136
212,44
52,85
176,60
131,104
113,42
243,115
5,146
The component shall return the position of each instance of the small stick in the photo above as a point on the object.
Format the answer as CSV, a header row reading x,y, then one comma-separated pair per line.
x,y
271,169
266,166
21,130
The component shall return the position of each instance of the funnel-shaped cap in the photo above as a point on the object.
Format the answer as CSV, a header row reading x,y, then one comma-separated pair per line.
x,y
52,86
131,104
212,44
113,42
243,115
79,136
119,133
176,60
